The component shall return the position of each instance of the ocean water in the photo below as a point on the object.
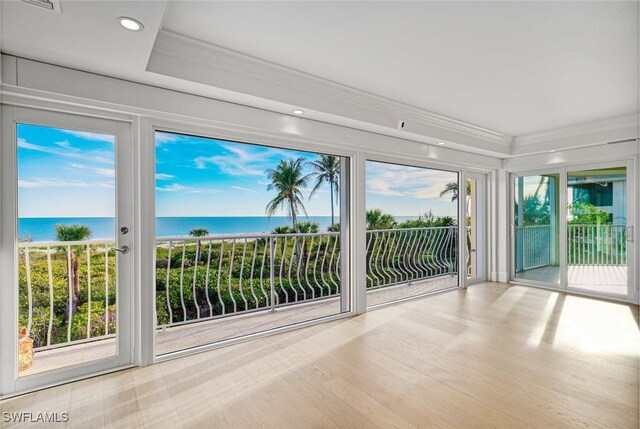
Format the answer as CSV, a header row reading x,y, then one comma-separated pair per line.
x,y
43,229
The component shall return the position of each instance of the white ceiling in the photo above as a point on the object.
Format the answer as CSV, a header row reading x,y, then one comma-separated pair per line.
x,y
515,68
511,67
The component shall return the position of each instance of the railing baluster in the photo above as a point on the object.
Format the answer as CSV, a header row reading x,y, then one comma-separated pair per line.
x,y
195,278
233,254
206,280
272,281
106,291
253,262
299,264
315,265
27,264
293,252
184,307
282,259
50,272
223,305
336,282
168,295
69,304
244,253
88,291
264,258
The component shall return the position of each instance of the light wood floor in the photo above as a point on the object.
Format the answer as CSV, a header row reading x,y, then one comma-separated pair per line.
x,y
201,333
488,356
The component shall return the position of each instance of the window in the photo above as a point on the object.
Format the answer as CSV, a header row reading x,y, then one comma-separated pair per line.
x,y
249,238
412,231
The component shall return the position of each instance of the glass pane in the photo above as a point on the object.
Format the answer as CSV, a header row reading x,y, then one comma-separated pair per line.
x,y
536,223
248,239
596,235
66,228
412,231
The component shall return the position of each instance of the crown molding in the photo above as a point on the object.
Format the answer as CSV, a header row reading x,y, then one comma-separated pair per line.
x,y
182,57
581,135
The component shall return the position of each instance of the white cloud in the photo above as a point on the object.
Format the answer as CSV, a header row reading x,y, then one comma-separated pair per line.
x,y
103,157
61,183
166,137
176,187
91,136
412,182
162,176
240,188
107,172
243,161
263,183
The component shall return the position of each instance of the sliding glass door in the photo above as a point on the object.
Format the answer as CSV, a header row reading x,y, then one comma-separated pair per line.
x,y
598,231
536,228
587,249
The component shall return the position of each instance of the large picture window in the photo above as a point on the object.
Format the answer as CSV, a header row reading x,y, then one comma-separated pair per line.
x,y
412,231
248,239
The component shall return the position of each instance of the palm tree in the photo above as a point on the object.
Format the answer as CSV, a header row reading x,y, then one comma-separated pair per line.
x,y
198,232
452,188
73,233
377,219
326,169
288,180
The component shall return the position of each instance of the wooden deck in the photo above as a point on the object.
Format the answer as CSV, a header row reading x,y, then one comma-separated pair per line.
x,y
492,355
208,332
610,279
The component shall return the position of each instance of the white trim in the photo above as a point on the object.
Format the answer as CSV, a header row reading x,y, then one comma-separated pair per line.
x,y
186,58
581,135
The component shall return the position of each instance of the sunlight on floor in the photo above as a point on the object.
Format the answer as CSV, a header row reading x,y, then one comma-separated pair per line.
x,y
598,327
537,334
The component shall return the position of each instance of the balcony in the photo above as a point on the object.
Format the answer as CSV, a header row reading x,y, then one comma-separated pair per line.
x,y
214,288
597,257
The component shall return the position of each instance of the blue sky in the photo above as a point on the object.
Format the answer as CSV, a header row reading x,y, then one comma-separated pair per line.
x,y
65,173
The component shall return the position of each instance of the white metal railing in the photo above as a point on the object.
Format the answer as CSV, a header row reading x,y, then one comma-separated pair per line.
x,y
405,255
533,244
597,244
67,291
216,276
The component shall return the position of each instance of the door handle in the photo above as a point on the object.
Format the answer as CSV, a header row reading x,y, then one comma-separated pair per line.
x,y
124,249
630,234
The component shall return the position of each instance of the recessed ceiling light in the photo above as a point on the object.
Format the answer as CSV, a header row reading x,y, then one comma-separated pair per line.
x,y
298,112
130,23
442,143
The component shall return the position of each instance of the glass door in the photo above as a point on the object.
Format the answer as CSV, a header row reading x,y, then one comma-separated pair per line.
x,y
599,230
536,229
67,218
476,227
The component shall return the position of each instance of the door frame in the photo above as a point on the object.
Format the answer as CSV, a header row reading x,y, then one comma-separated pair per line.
x,y
482,221
562,171
10,383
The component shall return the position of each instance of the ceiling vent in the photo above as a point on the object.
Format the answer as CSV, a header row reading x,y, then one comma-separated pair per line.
x,y
51,5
